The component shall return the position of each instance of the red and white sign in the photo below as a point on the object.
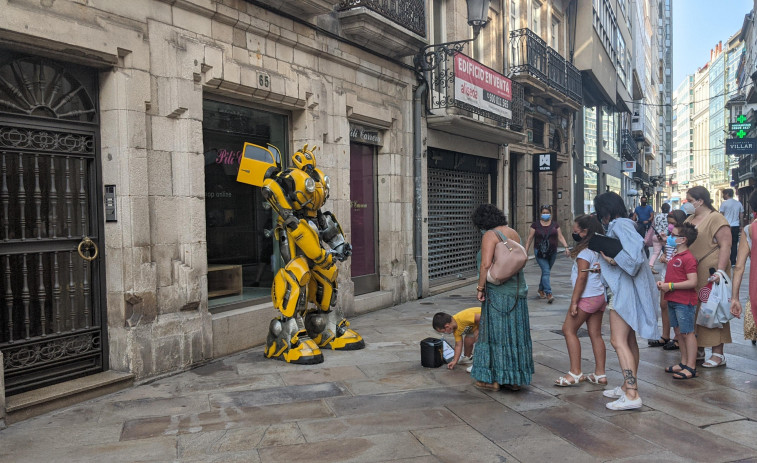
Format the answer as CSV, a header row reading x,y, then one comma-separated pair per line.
x,y
482,87
629,166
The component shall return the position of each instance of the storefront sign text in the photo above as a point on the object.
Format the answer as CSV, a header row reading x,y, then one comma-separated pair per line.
x,y
360,134
482,87
741,146
228,157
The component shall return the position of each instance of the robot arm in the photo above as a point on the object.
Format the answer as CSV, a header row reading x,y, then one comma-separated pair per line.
x,y
274,194
331,233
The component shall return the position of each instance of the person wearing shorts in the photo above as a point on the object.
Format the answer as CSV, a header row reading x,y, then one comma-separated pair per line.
x,y
587,305
679,290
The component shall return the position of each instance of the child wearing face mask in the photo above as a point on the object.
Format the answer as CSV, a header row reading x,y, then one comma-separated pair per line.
x,y
587,305
675,219
680,293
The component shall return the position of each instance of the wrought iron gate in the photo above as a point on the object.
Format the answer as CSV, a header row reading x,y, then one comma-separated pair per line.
x,y
51,325
452,241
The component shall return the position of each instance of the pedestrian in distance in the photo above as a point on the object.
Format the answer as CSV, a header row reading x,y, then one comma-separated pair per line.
x,y
733,212
503,351
679,292
643,216
632,284
587,305
746,251
464,327
712,251
545,234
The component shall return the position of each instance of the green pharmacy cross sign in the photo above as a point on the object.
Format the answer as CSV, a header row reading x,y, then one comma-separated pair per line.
x,y
741,119
741,134
741,127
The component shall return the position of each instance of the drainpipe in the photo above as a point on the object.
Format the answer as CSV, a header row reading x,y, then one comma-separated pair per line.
x,y
418,181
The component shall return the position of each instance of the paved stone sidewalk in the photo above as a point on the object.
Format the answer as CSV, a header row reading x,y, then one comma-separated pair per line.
x,y
379,405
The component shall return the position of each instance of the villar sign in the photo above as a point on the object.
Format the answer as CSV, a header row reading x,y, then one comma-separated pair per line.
x,y
741,146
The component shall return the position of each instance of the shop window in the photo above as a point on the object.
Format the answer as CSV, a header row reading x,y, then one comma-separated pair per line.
x,y
242,256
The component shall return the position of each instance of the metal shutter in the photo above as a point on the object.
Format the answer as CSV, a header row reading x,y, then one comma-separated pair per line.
x,y
452,240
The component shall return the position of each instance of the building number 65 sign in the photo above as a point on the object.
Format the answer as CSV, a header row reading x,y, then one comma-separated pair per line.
x,y
264,81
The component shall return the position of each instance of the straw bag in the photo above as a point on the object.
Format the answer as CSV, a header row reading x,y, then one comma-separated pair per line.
x,y
750,330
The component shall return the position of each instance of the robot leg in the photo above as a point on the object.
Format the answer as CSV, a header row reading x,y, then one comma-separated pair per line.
x,y
326,324
285,340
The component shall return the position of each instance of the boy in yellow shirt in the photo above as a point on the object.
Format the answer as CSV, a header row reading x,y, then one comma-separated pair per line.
x,y
463,323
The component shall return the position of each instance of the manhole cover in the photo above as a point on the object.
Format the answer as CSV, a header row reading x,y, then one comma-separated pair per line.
x,y
582,333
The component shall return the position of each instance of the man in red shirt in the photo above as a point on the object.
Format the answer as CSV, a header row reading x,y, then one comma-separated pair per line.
x,y
679,289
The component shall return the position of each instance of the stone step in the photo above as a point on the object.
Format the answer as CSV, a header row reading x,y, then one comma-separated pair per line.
x,y
33,403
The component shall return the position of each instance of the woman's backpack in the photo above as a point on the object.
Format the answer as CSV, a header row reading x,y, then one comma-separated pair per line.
x,y
509,259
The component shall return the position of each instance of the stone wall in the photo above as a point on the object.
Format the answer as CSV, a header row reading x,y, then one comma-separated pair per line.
x,y
158,60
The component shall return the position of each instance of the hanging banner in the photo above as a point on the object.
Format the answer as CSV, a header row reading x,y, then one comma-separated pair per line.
x,y
629,166
741,146
482,87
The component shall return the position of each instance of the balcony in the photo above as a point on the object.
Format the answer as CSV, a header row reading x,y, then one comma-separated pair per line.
x,y
395,28
302,8
501,122
641,176
535,64
628,147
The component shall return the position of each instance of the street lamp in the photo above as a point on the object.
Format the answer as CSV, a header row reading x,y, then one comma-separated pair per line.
x,y
478,15
429,56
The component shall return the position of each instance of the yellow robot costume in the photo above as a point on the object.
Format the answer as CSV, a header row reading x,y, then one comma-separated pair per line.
x,y
305,289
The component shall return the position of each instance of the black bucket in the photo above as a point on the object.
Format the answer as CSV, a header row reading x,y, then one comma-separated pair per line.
x,y
431,353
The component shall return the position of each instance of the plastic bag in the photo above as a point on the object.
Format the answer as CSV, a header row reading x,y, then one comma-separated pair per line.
x,y
716,310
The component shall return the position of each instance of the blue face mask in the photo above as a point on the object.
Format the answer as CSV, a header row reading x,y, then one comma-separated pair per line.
x,y
546,217
672,241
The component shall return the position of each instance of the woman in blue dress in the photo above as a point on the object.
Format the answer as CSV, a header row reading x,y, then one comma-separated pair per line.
x,y
633,295
503,355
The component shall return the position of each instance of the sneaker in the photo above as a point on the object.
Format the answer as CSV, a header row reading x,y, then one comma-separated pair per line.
x,y
613,393
550,299
542,294
469,369
465,360
624,403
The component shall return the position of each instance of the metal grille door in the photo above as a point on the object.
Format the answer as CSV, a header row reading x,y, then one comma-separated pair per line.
x,y
51,326
452,240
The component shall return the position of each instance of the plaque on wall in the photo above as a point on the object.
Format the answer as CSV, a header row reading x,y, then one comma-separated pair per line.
x,y
365,135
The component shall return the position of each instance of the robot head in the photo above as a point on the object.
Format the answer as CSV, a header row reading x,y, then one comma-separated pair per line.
x,y
304,159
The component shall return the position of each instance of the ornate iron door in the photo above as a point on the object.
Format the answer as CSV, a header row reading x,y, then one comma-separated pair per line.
x,y
51,321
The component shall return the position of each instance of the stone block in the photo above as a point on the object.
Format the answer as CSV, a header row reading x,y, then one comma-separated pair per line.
x,y
142,362
116,308
191,21
212,62
114,265
222,31
163,133
168,354
118,347
163,219
169,299
240,329
164,255
188,135
140,220
113,235
160,179
138,174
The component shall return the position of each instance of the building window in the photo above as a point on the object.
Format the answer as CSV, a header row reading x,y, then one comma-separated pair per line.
x,y
536,17
241,255
555,33
438,9
514,15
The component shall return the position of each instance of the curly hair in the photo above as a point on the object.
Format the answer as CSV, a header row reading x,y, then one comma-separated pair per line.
x,y
488,216
589,223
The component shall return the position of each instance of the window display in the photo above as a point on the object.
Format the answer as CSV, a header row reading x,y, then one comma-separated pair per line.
x,y
242,257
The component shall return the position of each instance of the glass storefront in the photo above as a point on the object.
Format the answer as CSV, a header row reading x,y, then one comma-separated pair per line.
x,y
363,211
242,257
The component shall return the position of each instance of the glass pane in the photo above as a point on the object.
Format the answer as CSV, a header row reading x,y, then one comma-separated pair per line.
x,y
242,257
363,209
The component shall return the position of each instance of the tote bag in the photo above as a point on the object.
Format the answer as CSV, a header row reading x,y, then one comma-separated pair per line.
x,y
509,258
716,310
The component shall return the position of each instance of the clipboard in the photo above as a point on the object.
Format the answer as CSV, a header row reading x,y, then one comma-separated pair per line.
x,y
603,243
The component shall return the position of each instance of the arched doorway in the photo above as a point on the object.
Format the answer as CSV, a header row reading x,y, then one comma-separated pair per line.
x,y
51,299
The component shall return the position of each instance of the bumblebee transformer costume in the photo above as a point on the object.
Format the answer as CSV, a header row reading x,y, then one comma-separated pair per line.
x,y
305,289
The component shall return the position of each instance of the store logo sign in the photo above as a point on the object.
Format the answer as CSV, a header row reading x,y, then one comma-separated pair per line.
x,y
545,162
228,157
360,134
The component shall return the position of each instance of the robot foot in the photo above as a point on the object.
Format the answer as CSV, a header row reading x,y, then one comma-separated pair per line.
x,y
345,338
300,349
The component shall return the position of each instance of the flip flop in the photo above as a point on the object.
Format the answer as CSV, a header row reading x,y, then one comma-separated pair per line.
x,y
658,342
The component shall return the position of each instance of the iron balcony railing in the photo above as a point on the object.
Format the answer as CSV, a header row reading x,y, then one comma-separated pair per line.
x,y
628,146
530,55
556,71
640,174
438,66
410,14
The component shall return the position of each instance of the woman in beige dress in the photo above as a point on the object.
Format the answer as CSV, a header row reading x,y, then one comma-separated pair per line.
x,y
712,249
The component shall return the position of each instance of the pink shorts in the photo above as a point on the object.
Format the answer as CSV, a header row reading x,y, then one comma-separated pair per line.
x,y
592,304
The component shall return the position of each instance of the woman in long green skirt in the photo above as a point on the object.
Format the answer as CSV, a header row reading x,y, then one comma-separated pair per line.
x,y
503,355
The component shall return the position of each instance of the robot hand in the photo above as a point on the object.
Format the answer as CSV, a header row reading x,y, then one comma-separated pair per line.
x,y
342,252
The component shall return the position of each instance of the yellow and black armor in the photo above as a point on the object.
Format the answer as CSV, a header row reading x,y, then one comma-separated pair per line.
x,y
305,290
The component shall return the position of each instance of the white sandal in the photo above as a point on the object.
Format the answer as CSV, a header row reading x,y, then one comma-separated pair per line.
x,y
709,363
562,382
594,379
